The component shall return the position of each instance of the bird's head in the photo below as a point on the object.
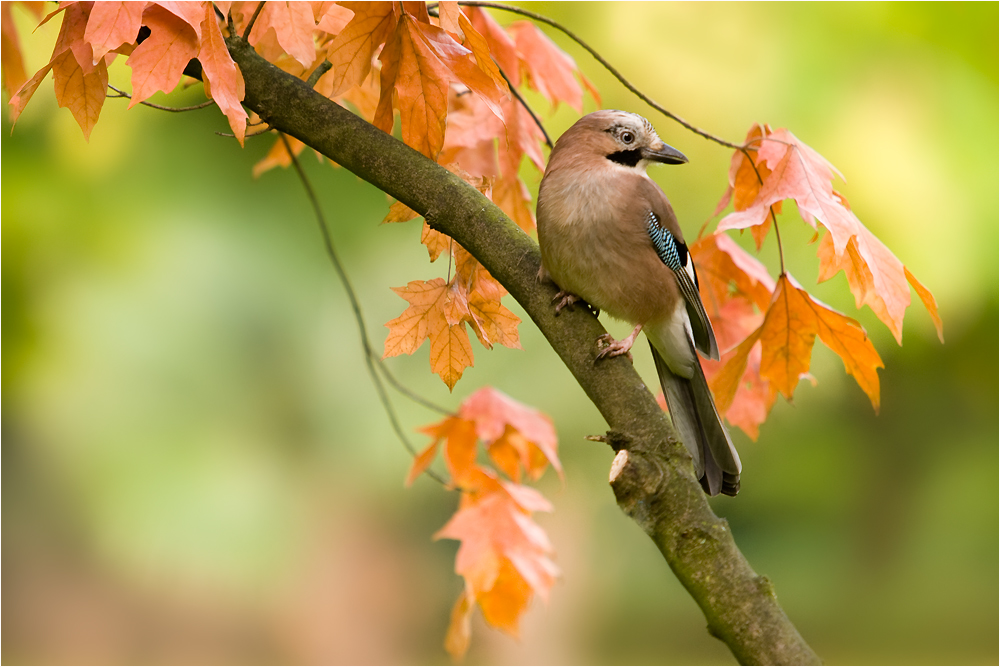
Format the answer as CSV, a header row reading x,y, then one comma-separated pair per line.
x,y
625,139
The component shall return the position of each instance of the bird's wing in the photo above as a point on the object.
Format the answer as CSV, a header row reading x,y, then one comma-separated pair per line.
x,y
674,253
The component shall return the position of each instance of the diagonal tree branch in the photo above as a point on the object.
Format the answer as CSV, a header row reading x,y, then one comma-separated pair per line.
x,y
653,480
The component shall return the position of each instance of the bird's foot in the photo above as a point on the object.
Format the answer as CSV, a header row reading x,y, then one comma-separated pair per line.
x,y
567,300
609,347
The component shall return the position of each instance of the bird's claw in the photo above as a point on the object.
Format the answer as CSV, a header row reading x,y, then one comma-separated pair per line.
x,y
609,347
567,300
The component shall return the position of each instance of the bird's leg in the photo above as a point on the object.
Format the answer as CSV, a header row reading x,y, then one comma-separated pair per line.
x,y
614,348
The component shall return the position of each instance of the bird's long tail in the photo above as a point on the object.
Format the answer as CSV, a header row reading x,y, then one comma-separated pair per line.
x,y
699,425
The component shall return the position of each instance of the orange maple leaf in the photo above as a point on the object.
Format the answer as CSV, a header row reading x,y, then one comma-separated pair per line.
x,y
501,46
432,303
11,59
418,62
504,556
159,62
787,335
293,25
550,70
352,51
223,79
792,170
113,24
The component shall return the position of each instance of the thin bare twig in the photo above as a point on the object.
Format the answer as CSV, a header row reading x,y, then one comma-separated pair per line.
x,y
253,19
356,307
122,93
517,95
625,82
230,135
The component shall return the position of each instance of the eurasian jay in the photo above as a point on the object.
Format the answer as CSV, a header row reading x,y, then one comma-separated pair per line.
x,y
609,236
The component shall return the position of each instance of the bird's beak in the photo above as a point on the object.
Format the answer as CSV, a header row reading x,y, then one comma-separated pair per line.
x,y
665,154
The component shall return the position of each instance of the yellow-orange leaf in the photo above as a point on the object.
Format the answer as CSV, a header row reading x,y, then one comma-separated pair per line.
x,y
448,13
493,323
792,170
278,156
159,62
504,603
930,303
410,329
499,540
351,52
399,212
432,303
421,462
451,352
456,641
481,52
435,241
82,92
789,331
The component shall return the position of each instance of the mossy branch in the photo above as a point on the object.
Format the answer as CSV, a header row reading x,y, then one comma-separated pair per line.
x,y
655,483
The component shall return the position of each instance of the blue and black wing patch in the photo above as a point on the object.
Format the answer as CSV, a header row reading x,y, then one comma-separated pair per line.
x,y
675,255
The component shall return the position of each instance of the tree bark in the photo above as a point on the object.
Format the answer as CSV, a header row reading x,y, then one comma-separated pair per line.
x,y
653,478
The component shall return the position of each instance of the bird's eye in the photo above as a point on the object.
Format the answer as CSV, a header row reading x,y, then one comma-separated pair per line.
x,y
627,137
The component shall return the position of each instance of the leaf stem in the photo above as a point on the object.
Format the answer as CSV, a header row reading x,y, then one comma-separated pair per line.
x,y
356,307
774,218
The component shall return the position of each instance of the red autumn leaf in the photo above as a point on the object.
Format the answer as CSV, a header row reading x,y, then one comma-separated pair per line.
x,y
159,62
113,24
223,79
549,69
293,25
727,271
504,556
501,46
481,52
70,36
792,170
493,412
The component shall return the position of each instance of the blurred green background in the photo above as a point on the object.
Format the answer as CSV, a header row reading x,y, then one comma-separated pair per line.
x,y
196,467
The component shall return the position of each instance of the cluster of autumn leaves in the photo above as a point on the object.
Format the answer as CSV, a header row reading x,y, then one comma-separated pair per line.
x,y
448,78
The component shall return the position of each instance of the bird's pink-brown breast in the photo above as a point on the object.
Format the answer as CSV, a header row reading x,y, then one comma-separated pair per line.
x,y
594,241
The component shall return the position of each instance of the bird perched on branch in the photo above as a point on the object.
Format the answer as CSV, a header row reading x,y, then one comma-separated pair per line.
x,y
609,237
